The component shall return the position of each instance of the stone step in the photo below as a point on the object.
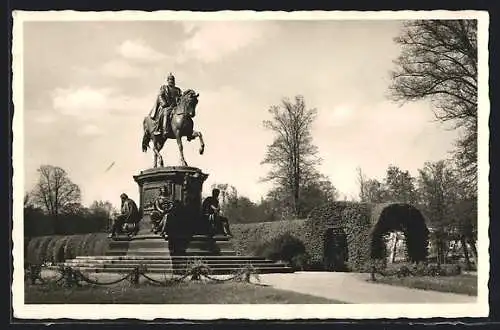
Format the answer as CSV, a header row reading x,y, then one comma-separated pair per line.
x,y
155,237
159,253
167,261
164,244
226,270
179,257
164,265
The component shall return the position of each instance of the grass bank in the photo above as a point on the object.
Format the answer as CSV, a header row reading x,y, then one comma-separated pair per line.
x,y
462,284
184,293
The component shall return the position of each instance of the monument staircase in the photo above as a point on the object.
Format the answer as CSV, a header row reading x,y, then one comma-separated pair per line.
x,y
153,252
174,255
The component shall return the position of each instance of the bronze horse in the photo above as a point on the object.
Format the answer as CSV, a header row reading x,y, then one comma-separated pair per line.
x,y
181,124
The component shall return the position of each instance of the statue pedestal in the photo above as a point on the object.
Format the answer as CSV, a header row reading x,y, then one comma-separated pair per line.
x,y
186,185
187,243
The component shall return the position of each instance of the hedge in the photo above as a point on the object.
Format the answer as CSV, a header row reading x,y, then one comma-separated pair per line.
x,y
320,218
249,236
357,226
286,248
57,248
364,229
405,218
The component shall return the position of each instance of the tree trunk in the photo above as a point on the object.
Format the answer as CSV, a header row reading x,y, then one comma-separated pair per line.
x,y
466,252
440,251
394,248
473,250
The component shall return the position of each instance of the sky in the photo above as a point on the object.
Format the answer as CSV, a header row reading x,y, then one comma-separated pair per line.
x,y
88,86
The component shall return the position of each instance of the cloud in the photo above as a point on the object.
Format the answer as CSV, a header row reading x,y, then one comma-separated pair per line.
x,y
340,115
91,103
81,102
121,69
47,118
90,130
139,50
211,41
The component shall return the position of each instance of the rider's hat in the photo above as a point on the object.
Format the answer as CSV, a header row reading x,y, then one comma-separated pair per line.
x,y
123,195
170,76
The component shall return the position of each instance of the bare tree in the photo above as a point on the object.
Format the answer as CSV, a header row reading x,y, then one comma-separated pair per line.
x,y
292,154
54,190
439,63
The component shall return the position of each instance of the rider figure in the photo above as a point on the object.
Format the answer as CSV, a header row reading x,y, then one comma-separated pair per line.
x,y
166,100
129,214
211,210
163,206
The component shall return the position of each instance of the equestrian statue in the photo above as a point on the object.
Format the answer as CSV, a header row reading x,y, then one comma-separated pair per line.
x,y
171,118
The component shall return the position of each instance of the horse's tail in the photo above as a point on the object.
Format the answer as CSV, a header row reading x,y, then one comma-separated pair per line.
x,y
145,137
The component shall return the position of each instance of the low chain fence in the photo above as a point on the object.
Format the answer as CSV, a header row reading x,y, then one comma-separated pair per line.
x,y
72,276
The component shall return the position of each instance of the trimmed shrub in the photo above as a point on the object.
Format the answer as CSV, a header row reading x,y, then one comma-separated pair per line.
x,y
30,248
84,246
320,218
49,255
71,246
356,219
301,261
43,251
101,245
403,217
365,226
58,248
284,247
247,237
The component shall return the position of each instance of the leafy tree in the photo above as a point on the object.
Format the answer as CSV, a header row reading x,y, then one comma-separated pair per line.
x,y
371,190
33,213
315,193
438,62
102,208
54,190
400,185
228,195
292,154
438,189
75,208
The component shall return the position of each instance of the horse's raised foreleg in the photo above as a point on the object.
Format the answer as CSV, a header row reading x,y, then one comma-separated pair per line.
x,y
199,136
178,137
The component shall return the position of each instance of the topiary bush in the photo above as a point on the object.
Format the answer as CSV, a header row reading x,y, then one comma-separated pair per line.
x,y
57,248
71,246
320,218
357,226
284,247
247,237
402,217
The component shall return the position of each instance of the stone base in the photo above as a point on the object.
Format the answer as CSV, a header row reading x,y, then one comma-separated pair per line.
x,y
186,184
159,246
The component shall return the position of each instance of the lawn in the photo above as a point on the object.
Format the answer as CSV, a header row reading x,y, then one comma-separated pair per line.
x,y
183,293
463,284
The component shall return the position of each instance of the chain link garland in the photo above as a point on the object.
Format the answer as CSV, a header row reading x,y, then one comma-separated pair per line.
x,y
71,277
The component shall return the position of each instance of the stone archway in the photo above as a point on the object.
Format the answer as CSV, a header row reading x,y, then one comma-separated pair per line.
x,y
401,217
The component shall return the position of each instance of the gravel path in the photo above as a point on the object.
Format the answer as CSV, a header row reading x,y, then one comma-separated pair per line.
x,y
353,288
